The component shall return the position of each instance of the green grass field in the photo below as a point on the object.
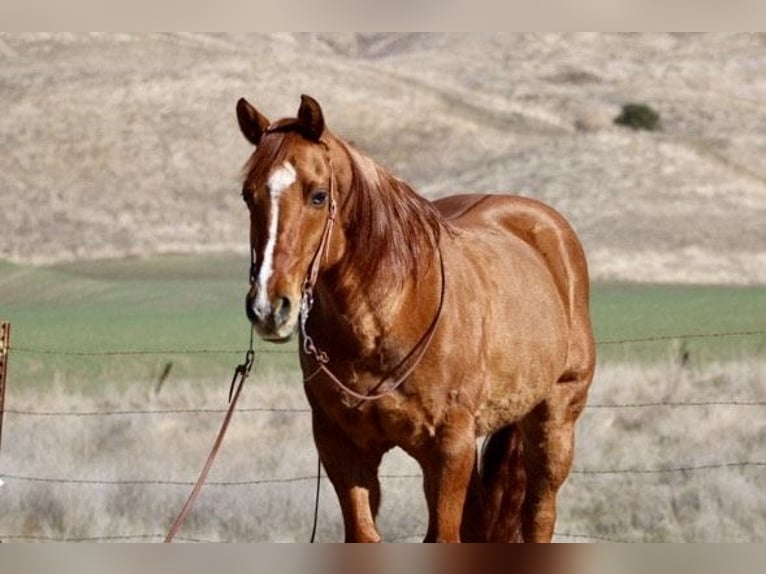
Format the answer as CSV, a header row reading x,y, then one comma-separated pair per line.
x,y
153,308
168,304
640,311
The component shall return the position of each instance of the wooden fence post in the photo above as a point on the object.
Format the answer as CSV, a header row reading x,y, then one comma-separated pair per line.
x,y
5,347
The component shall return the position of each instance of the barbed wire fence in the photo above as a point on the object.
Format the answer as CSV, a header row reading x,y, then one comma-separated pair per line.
x,y
683,470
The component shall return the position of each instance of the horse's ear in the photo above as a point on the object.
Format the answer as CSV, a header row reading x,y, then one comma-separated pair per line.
x,y
251,121
310,117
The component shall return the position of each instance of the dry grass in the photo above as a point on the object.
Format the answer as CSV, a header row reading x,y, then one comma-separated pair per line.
x,y
722,504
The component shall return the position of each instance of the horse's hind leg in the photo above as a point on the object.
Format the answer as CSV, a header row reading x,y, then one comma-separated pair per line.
x,y
354,475
548,450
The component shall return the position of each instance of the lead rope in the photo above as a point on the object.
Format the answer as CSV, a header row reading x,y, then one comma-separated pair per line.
x,y
316,501
241,372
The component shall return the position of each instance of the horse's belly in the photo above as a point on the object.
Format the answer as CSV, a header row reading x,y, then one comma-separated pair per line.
x,y
507,403
512,385
516,332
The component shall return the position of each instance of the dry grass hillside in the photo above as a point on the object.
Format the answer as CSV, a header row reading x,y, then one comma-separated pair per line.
x,y
119,145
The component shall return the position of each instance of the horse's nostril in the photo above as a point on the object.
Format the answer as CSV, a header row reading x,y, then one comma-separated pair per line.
x,y
250,308
282,310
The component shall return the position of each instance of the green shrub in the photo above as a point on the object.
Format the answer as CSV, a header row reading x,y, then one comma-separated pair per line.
x,y
638,117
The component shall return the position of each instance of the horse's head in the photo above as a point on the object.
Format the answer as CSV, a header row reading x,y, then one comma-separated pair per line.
x,y
288,189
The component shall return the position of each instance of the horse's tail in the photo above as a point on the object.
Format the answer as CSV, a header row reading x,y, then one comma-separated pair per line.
x,y
497,492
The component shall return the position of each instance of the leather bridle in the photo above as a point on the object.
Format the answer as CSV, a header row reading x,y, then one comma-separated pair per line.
x,y
307,300
307,303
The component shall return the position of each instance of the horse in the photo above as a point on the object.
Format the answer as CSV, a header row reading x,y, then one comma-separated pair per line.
x,y
422,325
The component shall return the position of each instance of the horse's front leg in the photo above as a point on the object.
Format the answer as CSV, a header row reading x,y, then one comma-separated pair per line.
x,y
448,463
354,475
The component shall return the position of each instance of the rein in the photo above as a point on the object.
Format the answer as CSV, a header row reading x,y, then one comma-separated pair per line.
x,y
241,372
323,359
307,302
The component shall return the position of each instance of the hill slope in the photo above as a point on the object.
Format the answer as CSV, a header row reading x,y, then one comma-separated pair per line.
x,y
118,145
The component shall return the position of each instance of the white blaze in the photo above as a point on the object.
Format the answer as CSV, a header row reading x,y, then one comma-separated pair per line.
x,y
279,180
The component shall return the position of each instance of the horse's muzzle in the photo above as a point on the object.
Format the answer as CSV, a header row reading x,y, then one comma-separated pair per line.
x,y
275,321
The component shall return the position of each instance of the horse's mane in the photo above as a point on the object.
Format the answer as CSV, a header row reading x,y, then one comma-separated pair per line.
x,y
390,228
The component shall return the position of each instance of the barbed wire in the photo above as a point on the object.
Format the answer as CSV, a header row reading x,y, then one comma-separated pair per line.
x,y
196,539
305,410
555,534
129,412
139,352
277,351
151,481
676,469
109,538
595,537
656,338
407,476
134,352
677,404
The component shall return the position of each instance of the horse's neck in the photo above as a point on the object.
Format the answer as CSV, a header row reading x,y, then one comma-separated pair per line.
x,y
374,327
359,317
372,311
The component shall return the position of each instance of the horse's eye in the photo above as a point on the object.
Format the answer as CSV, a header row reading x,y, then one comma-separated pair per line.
x,y
318,198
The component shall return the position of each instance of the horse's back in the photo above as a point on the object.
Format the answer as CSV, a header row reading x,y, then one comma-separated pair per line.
x,y
550,235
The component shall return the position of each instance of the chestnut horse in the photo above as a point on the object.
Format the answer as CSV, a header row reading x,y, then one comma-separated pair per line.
x,y
424,326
